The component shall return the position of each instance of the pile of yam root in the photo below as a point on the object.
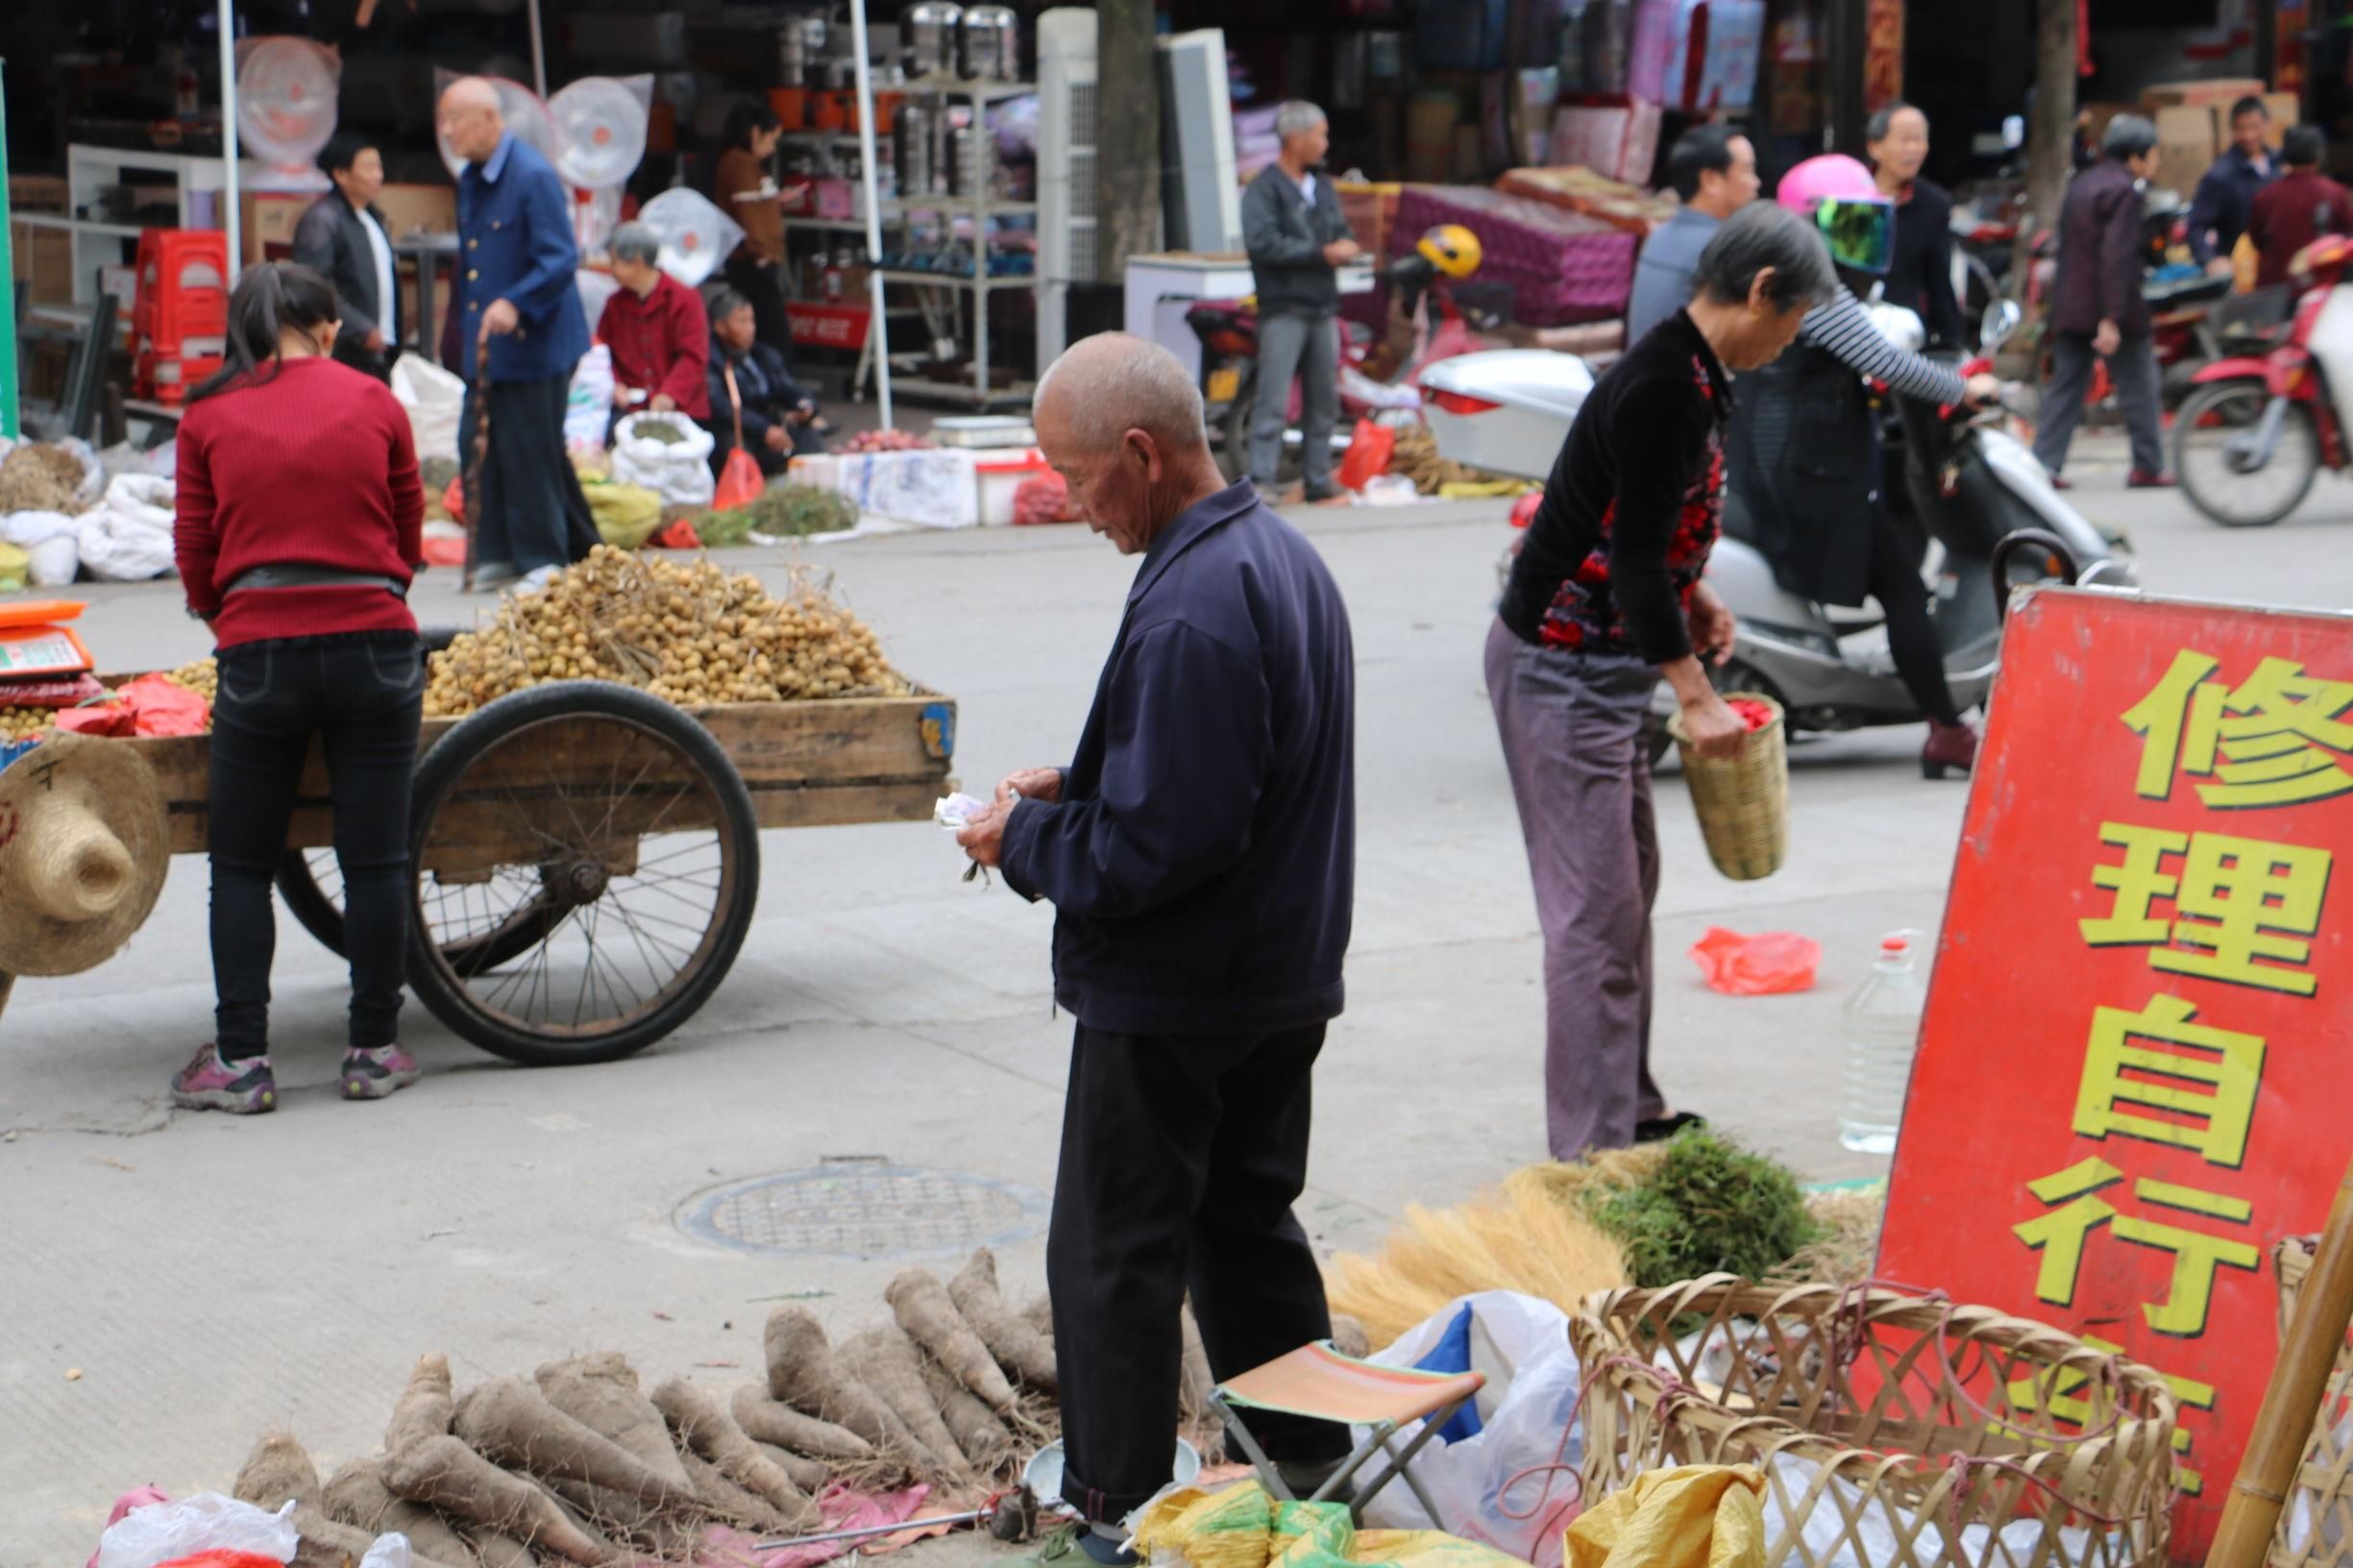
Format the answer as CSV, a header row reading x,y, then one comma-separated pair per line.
x,y
584,1465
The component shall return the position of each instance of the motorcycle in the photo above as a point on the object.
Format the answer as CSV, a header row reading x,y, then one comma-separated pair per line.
x,y
2258,427
1377,371
1976,487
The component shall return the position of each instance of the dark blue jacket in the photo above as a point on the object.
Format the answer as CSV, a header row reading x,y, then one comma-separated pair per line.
x,y
1202,859
2225,203
514,242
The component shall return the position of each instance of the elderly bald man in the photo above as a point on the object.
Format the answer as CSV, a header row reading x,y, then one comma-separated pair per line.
x,y
1199,851
516,289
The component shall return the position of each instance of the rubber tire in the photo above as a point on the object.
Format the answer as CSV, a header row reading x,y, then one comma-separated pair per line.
x,y
1235,442
446,763
2193,409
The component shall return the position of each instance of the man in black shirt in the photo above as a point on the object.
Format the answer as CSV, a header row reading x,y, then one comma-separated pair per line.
x,y
1605,599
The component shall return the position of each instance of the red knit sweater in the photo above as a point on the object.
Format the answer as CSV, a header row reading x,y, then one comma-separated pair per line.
x,y
313,464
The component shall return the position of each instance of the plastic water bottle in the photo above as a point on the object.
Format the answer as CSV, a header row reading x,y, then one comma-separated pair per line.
x,y
1883,1031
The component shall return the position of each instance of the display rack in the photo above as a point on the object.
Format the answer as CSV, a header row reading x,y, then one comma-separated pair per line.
x,y
941,294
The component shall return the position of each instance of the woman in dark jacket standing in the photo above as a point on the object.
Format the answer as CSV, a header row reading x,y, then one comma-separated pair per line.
x,y
298,534
1606,599
1920,272
344,236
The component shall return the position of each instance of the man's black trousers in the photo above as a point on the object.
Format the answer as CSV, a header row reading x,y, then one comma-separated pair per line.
x,y
1181,1159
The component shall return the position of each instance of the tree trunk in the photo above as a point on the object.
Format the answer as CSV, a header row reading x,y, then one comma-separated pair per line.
x,y
1127,137
2050,144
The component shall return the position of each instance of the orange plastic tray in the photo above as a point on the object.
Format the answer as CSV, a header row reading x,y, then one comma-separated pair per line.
x,y
40,612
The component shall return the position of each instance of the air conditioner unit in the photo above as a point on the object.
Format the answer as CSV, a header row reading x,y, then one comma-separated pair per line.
x,y
1065,169
1201,200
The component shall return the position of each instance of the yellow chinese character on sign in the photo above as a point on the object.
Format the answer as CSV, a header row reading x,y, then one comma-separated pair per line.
x,y
2060,1237
2264,740
2122,1080
2064,1400
2235,901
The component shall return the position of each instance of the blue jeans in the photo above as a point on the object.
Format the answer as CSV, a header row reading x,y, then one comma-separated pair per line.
x,y
363,695
1304,348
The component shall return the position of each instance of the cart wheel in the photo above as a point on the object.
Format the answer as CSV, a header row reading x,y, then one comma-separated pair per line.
x,y
311,881
599,843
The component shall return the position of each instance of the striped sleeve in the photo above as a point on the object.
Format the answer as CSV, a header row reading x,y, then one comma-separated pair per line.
x,y
1838,327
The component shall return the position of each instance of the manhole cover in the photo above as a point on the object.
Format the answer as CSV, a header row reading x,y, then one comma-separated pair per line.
x,y
855,1209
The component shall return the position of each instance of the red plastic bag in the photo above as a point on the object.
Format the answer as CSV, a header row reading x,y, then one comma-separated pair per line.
x,y
1765,965
149,705
454,498
439,550
740,482
1750,711
1523,510
223,1558
677,535
1369,451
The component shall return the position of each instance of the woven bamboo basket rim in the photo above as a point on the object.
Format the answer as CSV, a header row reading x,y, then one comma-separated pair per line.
x,y
2146,1411
1742,801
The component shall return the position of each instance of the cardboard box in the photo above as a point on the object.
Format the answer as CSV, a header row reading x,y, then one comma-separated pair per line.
x,y
1430,137
44,259
419,209
2220,93
2187,143
266,224
37,193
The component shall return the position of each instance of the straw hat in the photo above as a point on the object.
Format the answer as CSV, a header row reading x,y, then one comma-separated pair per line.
x,y
83,846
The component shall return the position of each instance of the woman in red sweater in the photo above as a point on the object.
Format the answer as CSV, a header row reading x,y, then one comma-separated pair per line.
x,y
300,512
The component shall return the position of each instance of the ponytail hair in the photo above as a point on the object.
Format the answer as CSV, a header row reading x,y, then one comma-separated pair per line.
x,y
270,297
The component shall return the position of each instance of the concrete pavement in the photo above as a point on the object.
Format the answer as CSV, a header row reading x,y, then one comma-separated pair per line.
x,y
208,1277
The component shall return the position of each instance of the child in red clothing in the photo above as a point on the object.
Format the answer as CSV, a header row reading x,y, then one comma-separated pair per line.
x,y
298,533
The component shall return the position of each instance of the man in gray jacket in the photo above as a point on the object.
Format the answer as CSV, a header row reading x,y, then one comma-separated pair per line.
x,y
1298,241
1713,170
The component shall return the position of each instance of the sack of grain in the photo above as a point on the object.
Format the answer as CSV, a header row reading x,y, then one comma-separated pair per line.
x,y
669,455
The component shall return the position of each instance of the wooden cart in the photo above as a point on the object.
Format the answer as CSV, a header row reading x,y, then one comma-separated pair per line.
x,y
584,858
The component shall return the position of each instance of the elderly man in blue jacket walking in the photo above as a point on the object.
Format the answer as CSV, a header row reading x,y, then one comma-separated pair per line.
x,y
516,289
1199,851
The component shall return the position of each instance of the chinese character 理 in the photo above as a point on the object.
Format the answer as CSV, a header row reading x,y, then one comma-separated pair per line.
x,y
2267,743
2207,1101
2064,1399
2061,1234
2235,901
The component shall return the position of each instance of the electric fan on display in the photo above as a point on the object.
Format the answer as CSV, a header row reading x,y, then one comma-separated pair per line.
x,y
601,122
696,235
286,90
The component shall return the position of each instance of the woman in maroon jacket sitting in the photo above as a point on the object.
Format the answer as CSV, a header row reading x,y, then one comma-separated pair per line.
x,y
298,533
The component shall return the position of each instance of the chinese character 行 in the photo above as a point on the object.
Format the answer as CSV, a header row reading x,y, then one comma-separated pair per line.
x,y
2235,900
2267,743
2060,1237
2122,1080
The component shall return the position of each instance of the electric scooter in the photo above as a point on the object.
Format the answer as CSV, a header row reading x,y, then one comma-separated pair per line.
x,y
1973,482
2257,430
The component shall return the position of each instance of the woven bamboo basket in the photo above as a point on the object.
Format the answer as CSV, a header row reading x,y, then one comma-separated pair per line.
x,y
2316,1528
1742,801
1892,1430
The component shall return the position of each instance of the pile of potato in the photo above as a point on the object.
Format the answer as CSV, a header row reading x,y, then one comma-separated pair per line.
x,y
690,634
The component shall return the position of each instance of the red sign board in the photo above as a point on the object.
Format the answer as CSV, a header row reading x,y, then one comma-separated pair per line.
x,y
828,326
2133,1076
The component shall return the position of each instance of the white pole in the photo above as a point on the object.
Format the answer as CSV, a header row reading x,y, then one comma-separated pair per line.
x,y
229,133
539,53
878,329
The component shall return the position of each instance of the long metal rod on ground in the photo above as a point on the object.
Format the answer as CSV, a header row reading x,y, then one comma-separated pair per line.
x,y
863,1532
2299,1382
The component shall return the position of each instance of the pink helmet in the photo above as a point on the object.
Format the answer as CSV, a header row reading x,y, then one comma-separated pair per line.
x,y
1856,221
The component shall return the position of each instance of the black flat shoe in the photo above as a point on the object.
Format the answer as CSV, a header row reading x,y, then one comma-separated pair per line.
x,y
1657,1130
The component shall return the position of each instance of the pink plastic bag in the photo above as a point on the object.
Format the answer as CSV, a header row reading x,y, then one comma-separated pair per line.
x,y
1765,965
137,1498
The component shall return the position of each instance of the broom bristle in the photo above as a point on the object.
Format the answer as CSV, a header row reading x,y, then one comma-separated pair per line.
x,y
1521,1237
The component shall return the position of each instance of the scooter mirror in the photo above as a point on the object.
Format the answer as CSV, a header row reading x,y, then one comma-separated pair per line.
x,y
2002,319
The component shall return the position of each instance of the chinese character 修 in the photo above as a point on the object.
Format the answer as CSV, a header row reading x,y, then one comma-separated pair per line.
x,y
2061,1234
2235,900
2064,1399
2269,742
2199,1102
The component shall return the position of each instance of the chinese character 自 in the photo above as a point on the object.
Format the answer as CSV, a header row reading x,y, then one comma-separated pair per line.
x,y
2214,1097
